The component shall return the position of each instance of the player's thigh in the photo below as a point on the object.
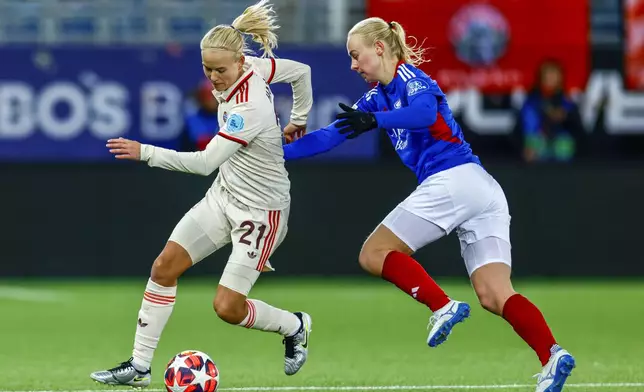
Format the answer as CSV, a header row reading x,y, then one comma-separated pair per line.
x,y
450,197
438,205
400,231
485,238
255,236
404,231
202,230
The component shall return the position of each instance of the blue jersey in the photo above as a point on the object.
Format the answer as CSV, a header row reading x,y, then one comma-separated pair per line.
x,y
414,112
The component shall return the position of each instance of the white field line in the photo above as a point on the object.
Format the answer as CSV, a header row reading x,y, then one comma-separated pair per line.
x,y
32,294
595,386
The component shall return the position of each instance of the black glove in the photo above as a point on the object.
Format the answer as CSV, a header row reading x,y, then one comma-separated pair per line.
x,y
355,121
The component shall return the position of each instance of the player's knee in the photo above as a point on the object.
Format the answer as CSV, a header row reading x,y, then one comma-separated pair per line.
x,y
169,265
489,303
492,300
371,260
229,311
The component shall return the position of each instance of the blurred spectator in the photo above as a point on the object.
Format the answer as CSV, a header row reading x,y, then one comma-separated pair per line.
x,y
550,124
201,124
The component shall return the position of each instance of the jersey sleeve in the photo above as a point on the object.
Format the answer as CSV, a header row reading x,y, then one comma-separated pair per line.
x,y
295,73
203,162
422,105
242,124
367,103
265,67
329,137
314,143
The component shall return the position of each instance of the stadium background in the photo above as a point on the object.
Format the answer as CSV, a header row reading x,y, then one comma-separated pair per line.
x,y
77,224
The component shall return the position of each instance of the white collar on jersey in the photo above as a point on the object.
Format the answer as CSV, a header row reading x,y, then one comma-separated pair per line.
x,y
226,95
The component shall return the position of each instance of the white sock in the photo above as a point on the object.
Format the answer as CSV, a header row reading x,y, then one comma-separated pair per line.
x,y
156,309
265,317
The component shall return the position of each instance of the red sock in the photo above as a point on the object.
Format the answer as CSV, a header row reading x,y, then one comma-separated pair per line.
x,y
528,322
411,277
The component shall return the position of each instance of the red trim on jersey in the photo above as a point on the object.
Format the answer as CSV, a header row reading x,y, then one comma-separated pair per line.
x,y
244,80
273,65
242,95
441,131
232,138
273,226
398,65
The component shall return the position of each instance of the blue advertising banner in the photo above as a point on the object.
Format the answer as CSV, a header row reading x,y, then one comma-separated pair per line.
x,y
63,103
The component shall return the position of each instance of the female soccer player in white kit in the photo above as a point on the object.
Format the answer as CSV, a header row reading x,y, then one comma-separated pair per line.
x,y
248,203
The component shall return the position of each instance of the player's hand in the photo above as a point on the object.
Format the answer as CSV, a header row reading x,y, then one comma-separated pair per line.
x,y
125,149
293,132
356,121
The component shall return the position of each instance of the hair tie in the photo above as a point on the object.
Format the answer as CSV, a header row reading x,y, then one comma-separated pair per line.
x,y
391,25
235,28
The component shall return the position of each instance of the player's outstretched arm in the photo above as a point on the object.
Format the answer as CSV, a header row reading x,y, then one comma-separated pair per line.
x,y
314,143
421,113
201,162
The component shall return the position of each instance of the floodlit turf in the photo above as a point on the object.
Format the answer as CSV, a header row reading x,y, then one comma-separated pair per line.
x,y
365,333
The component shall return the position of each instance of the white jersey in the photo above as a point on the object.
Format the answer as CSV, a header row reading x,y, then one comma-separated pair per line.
x,y
248,151
255,174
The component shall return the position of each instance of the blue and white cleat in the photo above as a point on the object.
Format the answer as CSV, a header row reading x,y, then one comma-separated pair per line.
x,y
554,374
444,319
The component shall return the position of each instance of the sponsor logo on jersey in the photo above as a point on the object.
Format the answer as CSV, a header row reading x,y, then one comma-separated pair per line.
x,y
397,104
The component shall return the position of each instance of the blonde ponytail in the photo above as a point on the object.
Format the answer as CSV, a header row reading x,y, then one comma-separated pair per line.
x,y
393,35
258,21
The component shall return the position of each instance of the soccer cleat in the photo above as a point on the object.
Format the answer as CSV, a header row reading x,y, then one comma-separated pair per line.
x,y
123,374
554,374
297,346
444,319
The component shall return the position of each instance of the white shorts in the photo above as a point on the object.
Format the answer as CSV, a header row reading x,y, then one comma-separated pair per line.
x,y
465,198
218,219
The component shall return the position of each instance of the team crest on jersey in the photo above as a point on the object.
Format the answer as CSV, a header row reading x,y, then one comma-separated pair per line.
x,y
415,86
397,104
235,123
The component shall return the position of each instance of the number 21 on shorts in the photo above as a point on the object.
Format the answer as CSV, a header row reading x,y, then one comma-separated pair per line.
x,y
260,238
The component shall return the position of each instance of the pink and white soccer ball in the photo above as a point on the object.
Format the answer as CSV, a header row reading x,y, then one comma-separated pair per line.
x,y
191,371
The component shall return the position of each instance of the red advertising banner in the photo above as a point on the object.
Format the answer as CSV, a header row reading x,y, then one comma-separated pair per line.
x,y
495,45
634,26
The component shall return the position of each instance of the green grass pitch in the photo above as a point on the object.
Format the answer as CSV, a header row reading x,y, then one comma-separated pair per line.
x,y
365,334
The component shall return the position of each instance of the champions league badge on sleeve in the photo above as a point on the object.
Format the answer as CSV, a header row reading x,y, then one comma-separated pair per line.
x,y
235,123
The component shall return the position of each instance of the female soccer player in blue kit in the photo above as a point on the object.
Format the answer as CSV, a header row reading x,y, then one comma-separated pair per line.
x,y
454,193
